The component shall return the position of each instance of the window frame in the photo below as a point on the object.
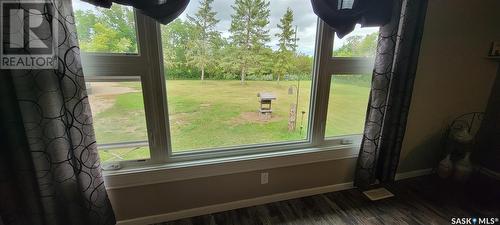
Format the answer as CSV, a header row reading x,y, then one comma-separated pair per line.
x,y
130,67
119,67
346,66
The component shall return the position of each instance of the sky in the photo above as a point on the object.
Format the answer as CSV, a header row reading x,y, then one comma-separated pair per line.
x,y
304,19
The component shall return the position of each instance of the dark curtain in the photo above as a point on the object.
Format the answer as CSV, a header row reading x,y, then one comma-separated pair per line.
x,y
49,166
392,85
343,15
164,11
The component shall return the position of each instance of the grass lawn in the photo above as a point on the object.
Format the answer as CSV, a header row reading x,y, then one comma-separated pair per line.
x,y
209,114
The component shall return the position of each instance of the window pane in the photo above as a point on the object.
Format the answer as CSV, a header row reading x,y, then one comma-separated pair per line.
x,y
102,30
347,104
118,114
216,70
362,42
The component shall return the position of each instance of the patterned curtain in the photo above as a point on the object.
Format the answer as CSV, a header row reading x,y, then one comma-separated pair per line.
x,y
49,166
392,85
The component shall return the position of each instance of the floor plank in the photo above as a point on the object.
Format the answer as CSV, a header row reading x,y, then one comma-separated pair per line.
x,y
421,200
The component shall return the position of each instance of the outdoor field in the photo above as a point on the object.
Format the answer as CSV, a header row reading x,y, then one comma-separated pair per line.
x,y
220,113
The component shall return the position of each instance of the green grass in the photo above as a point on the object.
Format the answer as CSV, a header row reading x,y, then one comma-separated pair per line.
x,y
209,114
347,109
124,121
213,114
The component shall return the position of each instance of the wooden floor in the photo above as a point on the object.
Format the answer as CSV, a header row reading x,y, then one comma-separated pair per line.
x,y
422,200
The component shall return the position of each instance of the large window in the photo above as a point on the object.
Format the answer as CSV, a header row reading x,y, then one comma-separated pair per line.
x,y
219,81
222,59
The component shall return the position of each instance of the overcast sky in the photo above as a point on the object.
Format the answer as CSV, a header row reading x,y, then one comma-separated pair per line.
x,y
304,19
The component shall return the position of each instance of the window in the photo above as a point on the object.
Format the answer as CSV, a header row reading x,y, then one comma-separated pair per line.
x,y
114,53
347,104
362,42
106,30
201,87
119,120
350,83
215,76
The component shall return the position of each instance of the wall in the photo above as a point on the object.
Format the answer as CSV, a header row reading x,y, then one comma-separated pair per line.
x,y
180,195
488,153
452,78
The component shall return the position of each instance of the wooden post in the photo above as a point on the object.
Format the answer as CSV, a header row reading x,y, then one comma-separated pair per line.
x,y
292,118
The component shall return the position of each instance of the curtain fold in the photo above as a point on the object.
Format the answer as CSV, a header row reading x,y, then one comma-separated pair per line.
x,y
164,11
50,172
392,85
343,15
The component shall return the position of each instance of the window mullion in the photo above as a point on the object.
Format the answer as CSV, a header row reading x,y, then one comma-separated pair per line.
x,y
322,70
351,65
154,88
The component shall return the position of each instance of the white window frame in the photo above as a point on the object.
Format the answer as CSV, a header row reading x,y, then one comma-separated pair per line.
x,y
147,67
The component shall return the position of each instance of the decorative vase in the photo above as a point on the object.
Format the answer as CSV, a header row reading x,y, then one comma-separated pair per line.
x,y
445,168
463,168
463,136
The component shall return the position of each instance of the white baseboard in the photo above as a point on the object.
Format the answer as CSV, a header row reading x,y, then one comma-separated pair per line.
x,y
235,205
414,173
255,201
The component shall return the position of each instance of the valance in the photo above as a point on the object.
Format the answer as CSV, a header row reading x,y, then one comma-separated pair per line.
x,y
164,11
343,15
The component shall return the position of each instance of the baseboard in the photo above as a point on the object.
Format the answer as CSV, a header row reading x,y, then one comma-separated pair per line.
x,y
414,173
256,201
490,173
235,205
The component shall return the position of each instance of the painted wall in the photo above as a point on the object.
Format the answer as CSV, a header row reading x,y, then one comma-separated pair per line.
x,y
180,195
453,78
488,153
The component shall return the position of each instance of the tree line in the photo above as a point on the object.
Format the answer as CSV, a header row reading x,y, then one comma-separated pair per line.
x,y
194,49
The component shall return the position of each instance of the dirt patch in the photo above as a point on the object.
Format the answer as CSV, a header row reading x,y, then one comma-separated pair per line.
x,y
179,119
100,104
102,94
108,88
253,117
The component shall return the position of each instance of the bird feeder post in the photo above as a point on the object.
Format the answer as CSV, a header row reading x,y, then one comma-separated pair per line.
x,y
265,100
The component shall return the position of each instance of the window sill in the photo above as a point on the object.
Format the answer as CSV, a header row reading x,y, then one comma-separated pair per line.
x,y
176,171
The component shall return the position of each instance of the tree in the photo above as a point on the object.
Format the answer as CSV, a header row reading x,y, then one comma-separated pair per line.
x,y
248,32
85,21
287,37
287,43
200,49
175,39
107,30
302,64
107,39
358,46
